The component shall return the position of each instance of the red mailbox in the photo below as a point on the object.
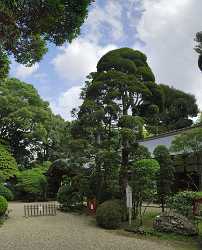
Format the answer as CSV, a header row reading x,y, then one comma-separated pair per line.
x,y
91,205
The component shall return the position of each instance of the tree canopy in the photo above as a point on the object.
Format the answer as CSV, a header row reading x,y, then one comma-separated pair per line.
x,y
27,123
116,99
179,108
28,25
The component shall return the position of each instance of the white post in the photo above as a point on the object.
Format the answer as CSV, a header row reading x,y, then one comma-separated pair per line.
x,y
129,202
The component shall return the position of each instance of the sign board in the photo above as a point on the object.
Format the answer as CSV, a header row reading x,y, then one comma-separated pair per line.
x,y
129,198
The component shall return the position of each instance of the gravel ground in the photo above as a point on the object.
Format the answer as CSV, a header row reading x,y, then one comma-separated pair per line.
x,y
65,232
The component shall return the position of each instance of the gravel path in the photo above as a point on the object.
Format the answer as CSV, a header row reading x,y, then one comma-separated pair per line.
x,y
65,232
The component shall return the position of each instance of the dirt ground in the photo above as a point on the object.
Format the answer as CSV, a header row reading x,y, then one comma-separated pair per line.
x,y
65,232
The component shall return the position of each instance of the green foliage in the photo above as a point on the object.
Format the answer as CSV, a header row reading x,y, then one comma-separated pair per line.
x,y
3,205
58,169
6,193
144,175
32,184
189,141
140,152
126,60
179,108
28,124
143,182
103,175
72,193
109,214
182,202
123,83
68,199
8,165
57,22
4,64
166,173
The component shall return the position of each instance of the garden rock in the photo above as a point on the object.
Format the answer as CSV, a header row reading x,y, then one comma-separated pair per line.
x,y
174,223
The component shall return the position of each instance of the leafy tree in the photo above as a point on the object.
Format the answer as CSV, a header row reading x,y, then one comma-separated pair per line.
x,y
54,140
8,165
179,108
27,26
116,98
32,184
144,183
166,173
190,142
27,123
103,177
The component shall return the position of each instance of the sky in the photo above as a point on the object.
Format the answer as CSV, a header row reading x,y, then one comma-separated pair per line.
x,y
164,30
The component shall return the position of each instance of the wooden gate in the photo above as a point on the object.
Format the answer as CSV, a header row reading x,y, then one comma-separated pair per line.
x,y
43,209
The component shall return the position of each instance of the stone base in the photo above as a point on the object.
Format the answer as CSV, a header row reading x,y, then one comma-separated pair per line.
x,y
174,223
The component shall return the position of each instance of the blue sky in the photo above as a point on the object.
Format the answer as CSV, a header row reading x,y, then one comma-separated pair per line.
x,y
162,29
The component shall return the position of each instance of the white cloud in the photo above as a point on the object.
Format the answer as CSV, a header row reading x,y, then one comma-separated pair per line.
x,y
74,63
168,29
78,59
105,22
23,72
66,102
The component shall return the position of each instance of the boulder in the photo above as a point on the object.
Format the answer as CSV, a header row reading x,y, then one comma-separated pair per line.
x,y
174,223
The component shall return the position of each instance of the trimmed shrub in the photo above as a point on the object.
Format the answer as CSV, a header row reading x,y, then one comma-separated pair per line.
x,y
32,185
6,193
182,202
3,205
110,214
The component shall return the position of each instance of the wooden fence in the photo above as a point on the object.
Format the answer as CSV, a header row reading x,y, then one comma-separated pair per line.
x,y
44,209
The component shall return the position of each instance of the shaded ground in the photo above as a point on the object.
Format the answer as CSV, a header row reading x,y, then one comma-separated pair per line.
x,y
65,232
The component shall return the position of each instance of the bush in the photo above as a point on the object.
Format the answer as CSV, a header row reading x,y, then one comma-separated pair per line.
x,y
109,214
70,195
6,193
3,205
182,202
32,185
